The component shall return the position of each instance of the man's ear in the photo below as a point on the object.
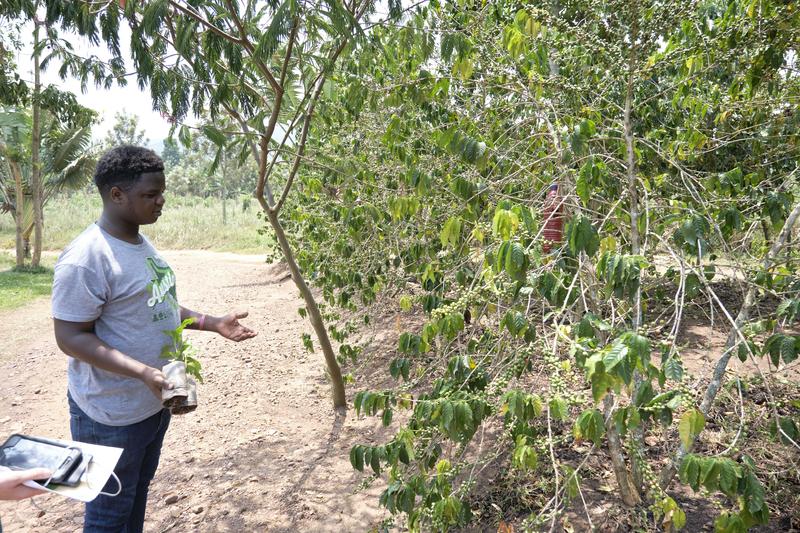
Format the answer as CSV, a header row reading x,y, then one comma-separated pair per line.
x,y
116,195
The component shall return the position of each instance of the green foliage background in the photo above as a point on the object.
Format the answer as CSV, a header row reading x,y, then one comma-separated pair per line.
x,y
187,223
431,157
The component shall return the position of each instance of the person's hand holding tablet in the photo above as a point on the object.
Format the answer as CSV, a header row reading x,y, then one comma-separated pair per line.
x,y
11,483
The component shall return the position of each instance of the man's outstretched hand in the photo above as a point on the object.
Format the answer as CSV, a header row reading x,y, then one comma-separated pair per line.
x,y
229,327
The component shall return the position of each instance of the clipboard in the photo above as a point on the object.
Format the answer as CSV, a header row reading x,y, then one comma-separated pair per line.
x,y
101,463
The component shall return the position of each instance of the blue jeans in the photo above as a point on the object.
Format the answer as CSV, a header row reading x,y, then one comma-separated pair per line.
x,y
141,444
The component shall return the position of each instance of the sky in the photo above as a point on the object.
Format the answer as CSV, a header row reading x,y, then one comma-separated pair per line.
x,y
106,102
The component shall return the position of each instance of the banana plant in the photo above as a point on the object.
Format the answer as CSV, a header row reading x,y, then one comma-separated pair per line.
x,y
67,158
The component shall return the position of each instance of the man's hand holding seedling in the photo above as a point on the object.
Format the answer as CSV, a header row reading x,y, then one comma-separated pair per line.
x,y
155,381
185,370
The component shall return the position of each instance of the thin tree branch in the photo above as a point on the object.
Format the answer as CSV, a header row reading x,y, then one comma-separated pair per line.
x,y
225,35
245,128
320,82
289,48
302,145
263,182
196,16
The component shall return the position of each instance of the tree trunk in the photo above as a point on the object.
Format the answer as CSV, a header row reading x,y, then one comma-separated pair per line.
x,y
551,62
222,189
272,209
637,434
19,245
36,165
633,196
765,230
313,312
627,488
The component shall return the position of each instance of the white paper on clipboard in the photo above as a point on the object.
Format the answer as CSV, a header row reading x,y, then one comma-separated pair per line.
x,y
104,459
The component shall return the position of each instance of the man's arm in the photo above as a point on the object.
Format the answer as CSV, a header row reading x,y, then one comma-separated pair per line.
x,y
78,340
228,325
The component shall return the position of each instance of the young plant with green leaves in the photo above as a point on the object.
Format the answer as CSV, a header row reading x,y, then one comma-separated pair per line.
x,y
178,349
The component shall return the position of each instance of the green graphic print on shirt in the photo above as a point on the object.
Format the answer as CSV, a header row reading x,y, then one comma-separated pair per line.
x,y
161,287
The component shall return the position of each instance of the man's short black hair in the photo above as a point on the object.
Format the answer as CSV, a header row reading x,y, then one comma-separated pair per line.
x,y
122,166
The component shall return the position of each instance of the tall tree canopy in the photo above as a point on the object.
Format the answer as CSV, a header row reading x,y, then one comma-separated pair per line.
x,y
125,130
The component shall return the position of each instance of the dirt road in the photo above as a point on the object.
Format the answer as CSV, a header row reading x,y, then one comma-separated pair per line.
x,y
264,452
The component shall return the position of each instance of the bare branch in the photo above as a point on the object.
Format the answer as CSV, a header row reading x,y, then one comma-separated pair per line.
x,y
245,128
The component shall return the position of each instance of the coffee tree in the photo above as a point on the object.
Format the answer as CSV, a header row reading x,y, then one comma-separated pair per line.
x,y
671,133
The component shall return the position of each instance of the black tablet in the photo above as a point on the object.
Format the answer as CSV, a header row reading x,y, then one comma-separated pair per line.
x,y
21,452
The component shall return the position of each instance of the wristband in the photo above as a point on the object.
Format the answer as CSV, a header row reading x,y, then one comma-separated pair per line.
x,y
201,322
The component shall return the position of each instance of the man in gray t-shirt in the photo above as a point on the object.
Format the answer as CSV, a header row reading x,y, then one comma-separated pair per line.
x,y
113,298
128,291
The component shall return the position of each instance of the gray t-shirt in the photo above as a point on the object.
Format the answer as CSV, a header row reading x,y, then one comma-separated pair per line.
x,y
128,290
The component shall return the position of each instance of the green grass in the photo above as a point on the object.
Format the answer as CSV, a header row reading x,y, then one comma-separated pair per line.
x,y
19,288
187,223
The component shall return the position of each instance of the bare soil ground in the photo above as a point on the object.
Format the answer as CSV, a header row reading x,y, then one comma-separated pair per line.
x,y
265,451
